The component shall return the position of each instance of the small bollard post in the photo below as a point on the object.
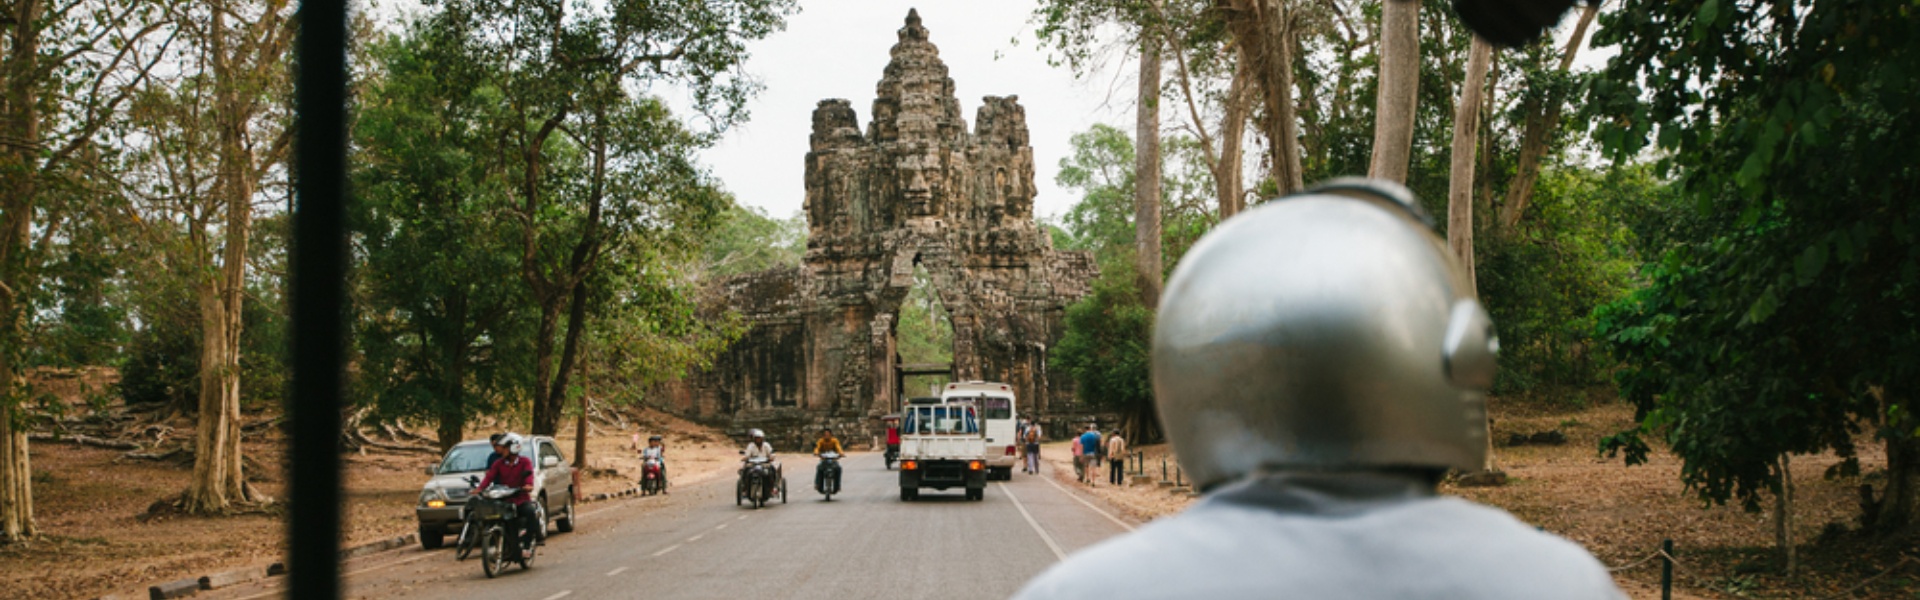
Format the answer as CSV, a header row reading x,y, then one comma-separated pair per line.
x,y
1163,468
1666,569
1178,480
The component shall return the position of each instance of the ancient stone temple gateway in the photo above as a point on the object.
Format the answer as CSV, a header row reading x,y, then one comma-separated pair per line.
x,y
917,188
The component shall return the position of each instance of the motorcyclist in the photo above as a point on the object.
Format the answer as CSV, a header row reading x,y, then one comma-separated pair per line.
x,y
893,439
826,443
493,441
515,471
656,450
757,447
1319,363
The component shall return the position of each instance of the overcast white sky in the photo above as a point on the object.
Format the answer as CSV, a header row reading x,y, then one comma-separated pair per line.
x,y
838,49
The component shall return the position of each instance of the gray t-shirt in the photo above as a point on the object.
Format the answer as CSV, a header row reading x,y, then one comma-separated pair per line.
x,y
1330,535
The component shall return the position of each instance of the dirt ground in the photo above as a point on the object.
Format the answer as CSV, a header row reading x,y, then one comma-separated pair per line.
x,y
1621,514
89,505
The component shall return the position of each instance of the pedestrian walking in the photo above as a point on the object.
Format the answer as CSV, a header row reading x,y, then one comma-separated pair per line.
x,y
1090,443
1031,438
1116,458
1079,466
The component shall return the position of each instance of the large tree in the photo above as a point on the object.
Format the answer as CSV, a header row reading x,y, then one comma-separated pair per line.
x,y
210,142
571,155
65,73
1788,323
441,335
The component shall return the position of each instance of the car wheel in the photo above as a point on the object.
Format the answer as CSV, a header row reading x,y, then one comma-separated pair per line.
x,y
431,538
565,524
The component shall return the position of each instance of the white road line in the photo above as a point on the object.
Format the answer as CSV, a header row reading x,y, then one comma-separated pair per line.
x,y
666,549
562,594
1057,554
616,571
696,538
1083,501
722,526
742,518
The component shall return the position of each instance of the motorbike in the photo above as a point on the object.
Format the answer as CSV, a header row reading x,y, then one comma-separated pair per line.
x,y
653,476
826,478
491,512
759,483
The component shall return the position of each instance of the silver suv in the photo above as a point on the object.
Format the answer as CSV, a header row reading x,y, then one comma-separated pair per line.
x,y
444,498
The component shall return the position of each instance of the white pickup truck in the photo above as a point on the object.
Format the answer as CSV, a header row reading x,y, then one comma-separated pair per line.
x,y
941,447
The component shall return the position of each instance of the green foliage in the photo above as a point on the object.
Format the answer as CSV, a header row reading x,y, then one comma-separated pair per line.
x,y
1101,168
1787,320
441,334
1541,282
1108,346
747,241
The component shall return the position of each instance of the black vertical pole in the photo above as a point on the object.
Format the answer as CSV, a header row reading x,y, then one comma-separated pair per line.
x,y
317,288
1666,569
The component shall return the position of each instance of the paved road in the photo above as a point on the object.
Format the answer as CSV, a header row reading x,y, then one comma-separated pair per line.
x,y
695,543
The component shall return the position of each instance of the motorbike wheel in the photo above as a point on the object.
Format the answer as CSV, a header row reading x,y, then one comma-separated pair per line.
x,y
493,551
464,545
783,490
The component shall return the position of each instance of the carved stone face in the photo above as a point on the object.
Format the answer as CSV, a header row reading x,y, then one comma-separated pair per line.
x,y
918,180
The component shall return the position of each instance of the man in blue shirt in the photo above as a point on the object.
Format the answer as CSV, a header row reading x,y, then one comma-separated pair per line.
x,y
1090,452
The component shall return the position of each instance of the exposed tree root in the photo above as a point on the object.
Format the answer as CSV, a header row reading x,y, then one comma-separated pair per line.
x,y
84,440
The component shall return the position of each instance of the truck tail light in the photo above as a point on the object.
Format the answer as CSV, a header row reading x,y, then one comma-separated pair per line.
x,y
974,465
909,465
1009,449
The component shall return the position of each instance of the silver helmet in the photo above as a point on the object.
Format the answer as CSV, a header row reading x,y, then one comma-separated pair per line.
x,y
512,441
1326,330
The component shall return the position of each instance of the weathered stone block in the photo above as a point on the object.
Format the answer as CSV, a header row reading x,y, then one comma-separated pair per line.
x,y
174,589
229,578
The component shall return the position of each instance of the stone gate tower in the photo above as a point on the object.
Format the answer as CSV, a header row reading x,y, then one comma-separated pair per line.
x,y
916,188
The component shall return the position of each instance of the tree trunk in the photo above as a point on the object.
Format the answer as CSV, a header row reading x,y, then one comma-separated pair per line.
x,y
580,426
576,324
1146,164
19,174
1897,505
217,482
1399,90
452,413
1783,516
1483,174
1227,178
546,416
1541,121
1466,128
1263,30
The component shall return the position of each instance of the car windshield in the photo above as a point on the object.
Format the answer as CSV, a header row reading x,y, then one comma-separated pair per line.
x,y
946,419
464,459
